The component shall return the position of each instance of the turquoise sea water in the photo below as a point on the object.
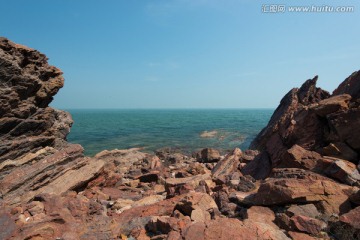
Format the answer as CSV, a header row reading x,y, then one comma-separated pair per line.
x,y
97,130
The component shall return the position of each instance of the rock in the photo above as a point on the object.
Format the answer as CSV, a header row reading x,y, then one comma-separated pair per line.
x,y
149,200
343,127
332,197
56,173
28,84
208,155
350,86
222,228
340,150
259,168
7,225
140,216
307,210
123,160
198,206
307,224
300,236
352,218
246,184
208,134
355,197
173,185
331,105
166,224
298,157
290,120
249,155
344,171
261,219
226,166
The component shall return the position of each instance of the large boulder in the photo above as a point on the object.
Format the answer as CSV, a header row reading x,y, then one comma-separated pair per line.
x,y
27,86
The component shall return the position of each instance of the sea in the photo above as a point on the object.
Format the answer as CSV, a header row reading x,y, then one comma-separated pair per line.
x,y
185,130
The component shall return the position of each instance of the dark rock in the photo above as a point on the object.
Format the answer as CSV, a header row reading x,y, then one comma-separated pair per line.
x,y
259,168
350,86
331,105
340,150
208,155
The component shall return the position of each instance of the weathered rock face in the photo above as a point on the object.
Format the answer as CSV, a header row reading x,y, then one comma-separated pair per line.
x,y
302,182
309,119
27,85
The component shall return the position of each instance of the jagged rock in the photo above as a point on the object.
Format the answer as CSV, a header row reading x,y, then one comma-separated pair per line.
x,y
56,173
307,224
198,206
259,168
352,218
340,150
226,166
331,105
344,171
344,127
350,86
28,84
291,120
298,157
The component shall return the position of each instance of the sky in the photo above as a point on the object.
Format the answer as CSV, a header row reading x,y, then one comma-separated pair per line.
x,y
185,53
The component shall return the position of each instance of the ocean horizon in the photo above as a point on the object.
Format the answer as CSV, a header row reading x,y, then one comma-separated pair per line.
x,y
185,129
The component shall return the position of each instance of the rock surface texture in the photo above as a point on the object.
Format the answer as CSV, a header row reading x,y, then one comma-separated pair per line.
x,y
300,181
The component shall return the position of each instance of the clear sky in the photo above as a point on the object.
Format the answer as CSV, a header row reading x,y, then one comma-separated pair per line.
x,y
185,53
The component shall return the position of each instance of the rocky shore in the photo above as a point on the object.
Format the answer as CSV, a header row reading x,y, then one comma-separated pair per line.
x,y
300,180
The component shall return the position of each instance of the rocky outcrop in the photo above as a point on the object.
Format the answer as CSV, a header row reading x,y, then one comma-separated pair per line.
x,y
301,182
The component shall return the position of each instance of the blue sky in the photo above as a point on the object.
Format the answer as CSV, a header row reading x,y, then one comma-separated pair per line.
x,y
184,53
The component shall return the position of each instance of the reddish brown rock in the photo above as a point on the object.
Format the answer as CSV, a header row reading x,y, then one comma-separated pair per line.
x,y
352,218
222,228
331,105
340,150
226,166
355,197
307,224
333,197
344,171
307,210
298,157
208,155
350,86
300,236
198,206
261,219
292,122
